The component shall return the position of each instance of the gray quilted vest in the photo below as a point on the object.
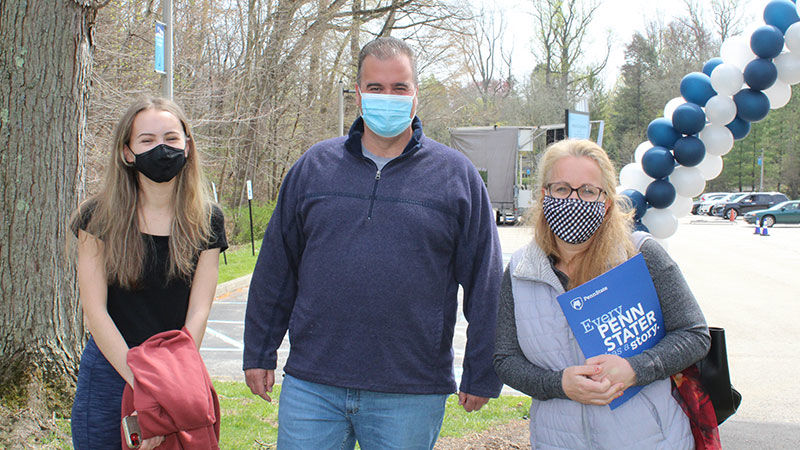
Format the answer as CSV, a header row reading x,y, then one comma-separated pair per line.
x,y
652,419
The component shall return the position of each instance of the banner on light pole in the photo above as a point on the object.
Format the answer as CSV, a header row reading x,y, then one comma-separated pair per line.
x,y
159,50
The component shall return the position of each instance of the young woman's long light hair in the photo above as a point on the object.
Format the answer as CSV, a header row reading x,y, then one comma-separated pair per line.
x,y
611,243
113,210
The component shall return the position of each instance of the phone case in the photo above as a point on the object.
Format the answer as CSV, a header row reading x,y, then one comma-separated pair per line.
x,y
133,434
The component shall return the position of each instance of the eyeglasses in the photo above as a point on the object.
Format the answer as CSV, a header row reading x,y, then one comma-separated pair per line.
x,y
586,192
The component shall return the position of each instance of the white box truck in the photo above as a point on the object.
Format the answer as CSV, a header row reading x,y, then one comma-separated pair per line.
x,y
504,157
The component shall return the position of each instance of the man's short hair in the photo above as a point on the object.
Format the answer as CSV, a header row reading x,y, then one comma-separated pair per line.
x,y
384,48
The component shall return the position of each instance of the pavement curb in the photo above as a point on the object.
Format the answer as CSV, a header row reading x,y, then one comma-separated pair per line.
x,y
228,287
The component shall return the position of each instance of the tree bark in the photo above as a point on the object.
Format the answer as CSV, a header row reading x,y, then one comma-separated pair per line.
x,y
45,64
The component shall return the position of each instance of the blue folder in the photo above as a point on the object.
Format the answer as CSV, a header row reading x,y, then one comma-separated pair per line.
x,y
616,313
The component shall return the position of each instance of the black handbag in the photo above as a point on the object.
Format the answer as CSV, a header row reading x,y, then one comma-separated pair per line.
x,y
716,378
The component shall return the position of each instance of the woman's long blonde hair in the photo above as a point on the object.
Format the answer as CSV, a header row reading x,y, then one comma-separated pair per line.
x,y
113,210
611,243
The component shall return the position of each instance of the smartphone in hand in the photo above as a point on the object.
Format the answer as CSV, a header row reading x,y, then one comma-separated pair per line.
x,y
133,434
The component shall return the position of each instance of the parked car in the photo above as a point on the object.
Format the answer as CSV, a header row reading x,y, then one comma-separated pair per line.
x,y
705,206
748,202
711,207
704,198
785,212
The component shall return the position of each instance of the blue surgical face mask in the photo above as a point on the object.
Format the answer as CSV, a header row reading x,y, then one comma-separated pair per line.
x,y
385,114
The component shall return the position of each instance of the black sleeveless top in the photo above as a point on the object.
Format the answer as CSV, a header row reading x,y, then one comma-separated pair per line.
x,y
157,304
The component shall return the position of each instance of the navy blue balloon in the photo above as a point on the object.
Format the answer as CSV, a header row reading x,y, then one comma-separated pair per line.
x,y
660,194
760,74
658,162
639,226
638,202
740,128
767,42
688,119
696,88
711,64
689,151
661,133
781,14
752,105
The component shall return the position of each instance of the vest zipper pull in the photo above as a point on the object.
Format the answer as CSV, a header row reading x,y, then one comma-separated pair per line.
x,y
378,175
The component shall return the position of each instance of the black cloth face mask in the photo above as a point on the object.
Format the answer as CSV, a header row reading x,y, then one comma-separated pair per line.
x,y
161,163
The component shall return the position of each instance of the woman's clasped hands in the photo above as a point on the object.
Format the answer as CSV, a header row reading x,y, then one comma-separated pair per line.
x,y
602,379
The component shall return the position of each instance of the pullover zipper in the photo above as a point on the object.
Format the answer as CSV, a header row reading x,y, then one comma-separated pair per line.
x,y
374,190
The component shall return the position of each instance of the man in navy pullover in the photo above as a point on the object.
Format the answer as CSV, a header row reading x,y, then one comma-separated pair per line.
x,y
361,261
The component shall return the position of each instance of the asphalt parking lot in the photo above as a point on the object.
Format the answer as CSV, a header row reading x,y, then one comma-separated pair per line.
x,y
748,284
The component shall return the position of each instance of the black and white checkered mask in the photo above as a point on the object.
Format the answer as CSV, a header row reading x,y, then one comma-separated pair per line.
x,y
571,219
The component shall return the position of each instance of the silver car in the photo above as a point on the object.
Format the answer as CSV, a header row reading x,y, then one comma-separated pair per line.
x,y
706,206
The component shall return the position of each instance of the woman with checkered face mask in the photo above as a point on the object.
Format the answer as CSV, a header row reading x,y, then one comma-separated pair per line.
x,y
581,230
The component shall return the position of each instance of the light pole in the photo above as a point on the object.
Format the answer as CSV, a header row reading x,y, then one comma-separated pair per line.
x,y
341,92
166,88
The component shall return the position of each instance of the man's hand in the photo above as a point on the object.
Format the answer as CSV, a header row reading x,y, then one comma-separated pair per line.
x,y
615,368
471,402
260,382
579,385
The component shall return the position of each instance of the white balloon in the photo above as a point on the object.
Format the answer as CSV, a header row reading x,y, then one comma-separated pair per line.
x,y
710,166
640,151
682,206
779,94
718,139
727,79
661,222
688,182
633,177
736,50
788,65
671,106
720,109
792,37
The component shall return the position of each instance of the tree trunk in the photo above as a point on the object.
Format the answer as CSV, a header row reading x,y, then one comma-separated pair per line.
x,y
45,64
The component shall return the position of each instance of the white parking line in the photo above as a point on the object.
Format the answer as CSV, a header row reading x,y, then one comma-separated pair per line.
x,y
237,350
227,339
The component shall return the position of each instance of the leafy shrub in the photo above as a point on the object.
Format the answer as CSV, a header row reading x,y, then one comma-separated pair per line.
x,y
237,222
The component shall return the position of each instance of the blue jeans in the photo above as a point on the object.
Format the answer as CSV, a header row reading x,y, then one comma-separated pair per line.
x,y
319,416
97,409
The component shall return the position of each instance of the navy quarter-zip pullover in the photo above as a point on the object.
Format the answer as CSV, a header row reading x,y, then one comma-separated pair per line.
x,y
363,267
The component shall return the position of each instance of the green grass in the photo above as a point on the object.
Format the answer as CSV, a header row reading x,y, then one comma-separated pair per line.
x,y
458,423
248,422
62,437
240,262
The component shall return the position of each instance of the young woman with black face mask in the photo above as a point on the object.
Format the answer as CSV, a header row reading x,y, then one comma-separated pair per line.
x,y
148,253
580,232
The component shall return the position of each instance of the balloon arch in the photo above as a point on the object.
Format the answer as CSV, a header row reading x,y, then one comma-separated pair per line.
x,y
685,147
